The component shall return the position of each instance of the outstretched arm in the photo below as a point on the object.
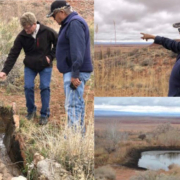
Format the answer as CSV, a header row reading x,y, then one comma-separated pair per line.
x,y
165,42
12,57
147,36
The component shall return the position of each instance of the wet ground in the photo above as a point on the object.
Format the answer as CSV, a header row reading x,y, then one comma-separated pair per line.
x,y
7,168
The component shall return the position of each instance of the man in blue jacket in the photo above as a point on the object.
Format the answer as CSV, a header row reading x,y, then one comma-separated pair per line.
x,y
174,81
73,58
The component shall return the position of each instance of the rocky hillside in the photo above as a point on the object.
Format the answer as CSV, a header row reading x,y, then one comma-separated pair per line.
x,y
11,8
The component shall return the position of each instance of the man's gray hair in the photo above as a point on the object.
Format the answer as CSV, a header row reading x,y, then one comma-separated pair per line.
x,y
28,18
68,10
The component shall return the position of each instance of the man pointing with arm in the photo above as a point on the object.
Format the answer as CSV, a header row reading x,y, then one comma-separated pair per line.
x,y
174,81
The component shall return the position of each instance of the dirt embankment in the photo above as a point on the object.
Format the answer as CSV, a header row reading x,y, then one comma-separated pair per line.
x,y
10,9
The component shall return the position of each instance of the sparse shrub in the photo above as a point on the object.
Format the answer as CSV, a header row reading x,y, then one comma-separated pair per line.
x,y
172,54
123,62
108,52
117,52
112,137
138,69
134,52
144,49
139,85
139,62
66,146
166,61
142,136
153,175
165,135
146,62
105,173
101,160
162,128
8,32
131,65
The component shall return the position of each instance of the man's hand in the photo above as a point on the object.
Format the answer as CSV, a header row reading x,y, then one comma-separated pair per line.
x,y
147,36
48,60
75,81
3,76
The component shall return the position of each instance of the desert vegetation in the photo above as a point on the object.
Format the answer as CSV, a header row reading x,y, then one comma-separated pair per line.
x,y
55,141
126,147
149,175
8,33
131,70
61,144
105,172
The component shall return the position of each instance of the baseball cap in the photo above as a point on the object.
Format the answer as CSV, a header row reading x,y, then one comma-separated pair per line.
x,y
57,5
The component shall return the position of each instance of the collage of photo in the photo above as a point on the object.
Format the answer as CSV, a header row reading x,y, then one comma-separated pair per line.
x,y
89,90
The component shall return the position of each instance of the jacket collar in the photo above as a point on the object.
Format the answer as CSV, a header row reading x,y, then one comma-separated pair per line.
x,y
68,18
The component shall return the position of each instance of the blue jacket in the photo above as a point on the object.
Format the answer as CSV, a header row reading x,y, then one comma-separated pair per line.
x,y
73,46
174,81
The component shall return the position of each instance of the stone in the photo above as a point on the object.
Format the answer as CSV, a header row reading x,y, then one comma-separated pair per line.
x,y
19,178
37,158
43,168
15,171
52,170
16,121
7,176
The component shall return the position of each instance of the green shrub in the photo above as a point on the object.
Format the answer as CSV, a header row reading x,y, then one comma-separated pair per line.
x,y
8,33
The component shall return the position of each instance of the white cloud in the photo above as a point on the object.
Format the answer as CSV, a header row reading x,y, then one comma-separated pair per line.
x,y
139,109
133,17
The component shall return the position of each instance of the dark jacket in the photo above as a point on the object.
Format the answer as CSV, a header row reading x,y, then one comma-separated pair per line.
x,y
73,46
174,81
35,50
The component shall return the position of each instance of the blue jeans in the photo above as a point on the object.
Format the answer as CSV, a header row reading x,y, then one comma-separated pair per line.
x,y
74,102
45,78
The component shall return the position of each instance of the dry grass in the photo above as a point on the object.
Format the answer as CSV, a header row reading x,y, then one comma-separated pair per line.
x,y
105,173
8,32
64,145
137,72
153,175
108,145
164,135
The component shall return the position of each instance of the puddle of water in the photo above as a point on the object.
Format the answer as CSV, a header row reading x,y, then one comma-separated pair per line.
x,y
4,159
156,160
3,153
1,140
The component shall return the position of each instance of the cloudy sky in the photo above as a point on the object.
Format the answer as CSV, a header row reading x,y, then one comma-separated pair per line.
x,y
138,104
134,16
